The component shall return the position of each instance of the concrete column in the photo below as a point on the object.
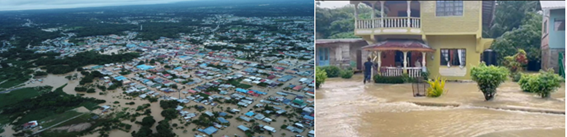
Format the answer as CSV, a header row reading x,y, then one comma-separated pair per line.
x,y
379,58
423,58
373,14
409,13
405,61
382,15
355,15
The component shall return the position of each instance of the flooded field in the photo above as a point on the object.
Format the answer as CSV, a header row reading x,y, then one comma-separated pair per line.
x,y
350,108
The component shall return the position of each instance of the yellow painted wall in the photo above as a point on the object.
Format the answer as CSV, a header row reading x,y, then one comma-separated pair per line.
x,y
470,22
438,42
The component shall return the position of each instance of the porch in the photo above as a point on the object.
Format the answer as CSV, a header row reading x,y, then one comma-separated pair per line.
x,y
401,17
398,57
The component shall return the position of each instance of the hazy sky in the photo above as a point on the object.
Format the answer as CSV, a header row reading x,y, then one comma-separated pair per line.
x,y
333,4
59,4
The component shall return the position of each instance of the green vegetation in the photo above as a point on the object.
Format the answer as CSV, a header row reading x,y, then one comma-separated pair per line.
x,y
236,83
18,95
390,80
489,78
45,105
169,113
436,87
80,89
332,71
347,73
164,130
517,25
91,90
338,22
40,73
62,66
320,76
543,83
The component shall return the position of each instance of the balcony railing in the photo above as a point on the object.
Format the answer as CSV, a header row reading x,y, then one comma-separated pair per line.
x,y
389,22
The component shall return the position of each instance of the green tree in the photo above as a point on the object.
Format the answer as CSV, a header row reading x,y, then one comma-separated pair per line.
x,y
148,121
527,37
169,113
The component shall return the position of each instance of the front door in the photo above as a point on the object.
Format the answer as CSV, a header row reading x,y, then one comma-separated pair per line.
x,y
323,55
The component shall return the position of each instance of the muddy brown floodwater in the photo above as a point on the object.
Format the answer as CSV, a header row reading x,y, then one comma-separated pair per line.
x,y
111,96
350,108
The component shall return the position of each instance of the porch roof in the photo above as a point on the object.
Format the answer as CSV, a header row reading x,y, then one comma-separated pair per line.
x,y
402,45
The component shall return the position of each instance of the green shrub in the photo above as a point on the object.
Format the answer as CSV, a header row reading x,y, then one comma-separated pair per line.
x,y
91,90
489,78
542,84
80,89
390,80
407,78
332,71
320,76
516,76
436,87
425,75
347,74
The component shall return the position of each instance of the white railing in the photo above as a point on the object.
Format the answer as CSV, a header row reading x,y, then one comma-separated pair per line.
x,y
391,71
395,71
414,72
389,22
364,24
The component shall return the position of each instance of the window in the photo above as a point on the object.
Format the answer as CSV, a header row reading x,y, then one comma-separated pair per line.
x,y
449,8
560,24
453,57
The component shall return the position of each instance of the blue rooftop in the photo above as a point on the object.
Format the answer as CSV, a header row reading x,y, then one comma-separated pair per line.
x,y
144,67
222,120
249,113
242,90
120,78
209,131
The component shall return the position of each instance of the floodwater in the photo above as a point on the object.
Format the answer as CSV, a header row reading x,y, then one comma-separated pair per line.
x,y
350,108
112,96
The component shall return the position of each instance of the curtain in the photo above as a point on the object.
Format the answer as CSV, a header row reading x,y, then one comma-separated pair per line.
x,y
446,56
461,59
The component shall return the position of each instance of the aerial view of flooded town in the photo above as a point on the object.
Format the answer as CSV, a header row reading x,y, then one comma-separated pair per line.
x,y
195,68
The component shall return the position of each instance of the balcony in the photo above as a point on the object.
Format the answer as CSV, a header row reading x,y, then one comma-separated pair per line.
x,y
388,25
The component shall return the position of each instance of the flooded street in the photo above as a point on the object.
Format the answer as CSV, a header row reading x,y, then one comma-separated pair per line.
x,y
349,108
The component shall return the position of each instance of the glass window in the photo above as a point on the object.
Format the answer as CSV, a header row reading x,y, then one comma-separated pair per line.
x,y
560,24
449,8
453,57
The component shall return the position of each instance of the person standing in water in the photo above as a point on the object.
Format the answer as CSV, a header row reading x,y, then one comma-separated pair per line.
x,y
367,70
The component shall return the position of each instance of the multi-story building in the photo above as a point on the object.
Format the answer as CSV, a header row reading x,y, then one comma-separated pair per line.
x,y
443,38
553,36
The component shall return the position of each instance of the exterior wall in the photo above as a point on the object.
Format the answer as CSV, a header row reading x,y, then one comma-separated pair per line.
x,y
556,38
354,48
469,23
552,42
339,54
551,58
395,8
467,42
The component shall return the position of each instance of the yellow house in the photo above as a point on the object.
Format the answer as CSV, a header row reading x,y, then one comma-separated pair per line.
x,y
443,36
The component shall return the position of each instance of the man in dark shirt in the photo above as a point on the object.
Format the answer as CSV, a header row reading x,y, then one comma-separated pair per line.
x,y
367,70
